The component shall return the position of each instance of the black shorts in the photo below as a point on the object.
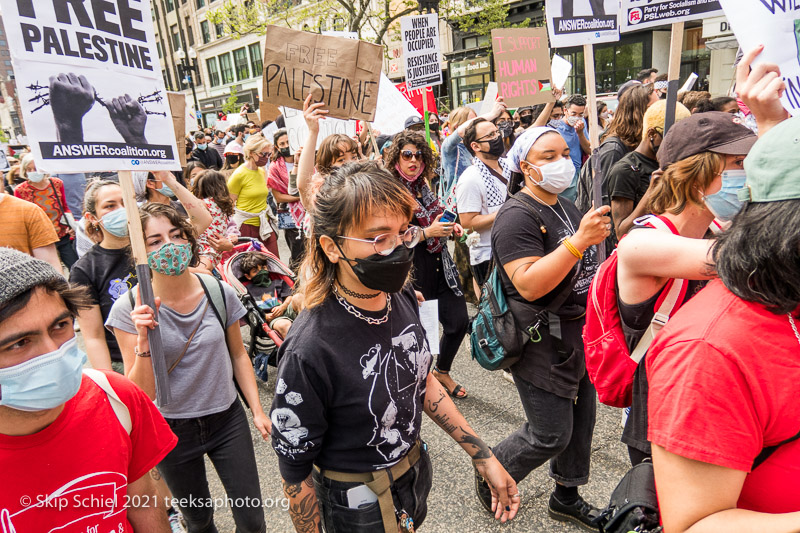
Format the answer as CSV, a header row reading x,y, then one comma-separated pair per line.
x,y
481,271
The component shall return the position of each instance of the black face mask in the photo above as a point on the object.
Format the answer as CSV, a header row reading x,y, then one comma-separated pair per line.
x,y
496,147
286,152
434,126
526,120
385,273
506,129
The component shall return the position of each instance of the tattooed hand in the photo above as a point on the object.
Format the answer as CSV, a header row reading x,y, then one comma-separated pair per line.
x,y
505,495
303,506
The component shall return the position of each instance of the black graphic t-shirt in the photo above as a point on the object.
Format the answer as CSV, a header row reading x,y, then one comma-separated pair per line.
x,y
349,394
108,274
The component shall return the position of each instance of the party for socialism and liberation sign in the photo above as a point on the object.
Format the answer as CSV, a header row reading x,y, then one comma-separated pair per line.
x,y
640,14
90,84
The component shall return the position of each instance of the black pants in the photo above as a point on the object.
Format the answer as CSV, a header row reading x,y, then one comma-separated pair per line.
x,y
225,438
297,247
66,250
430,281
558,429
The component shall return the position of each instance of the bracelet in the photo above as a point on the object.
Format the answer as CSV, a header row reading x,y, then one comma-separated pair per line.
x,y
423,235
141,354
571,247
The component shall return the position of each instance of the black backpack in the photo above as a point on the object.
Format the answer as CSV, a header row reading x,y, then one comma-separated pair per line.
x,y
584,198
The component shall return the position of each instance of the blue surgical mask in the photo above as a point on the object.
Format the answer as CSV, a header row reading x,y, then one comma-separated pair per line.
x,y
116,222
166,191
725,203
202,146
246,136
43,382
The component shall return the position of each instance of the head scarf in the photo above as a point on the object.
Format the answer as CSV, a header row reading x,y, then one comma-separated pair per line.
x,y
523,145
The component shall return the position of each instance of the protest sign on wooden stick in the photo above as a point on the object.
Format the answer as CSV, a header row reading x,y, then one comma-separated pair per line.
x,y
522,65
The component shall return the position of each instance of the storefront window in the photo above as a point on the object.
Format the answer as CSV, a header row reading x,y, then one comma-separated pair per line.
x,y
468,80
695,58
614,64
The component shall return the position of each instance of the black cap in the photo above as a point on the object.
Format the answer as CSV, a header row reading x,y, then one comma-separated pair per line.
x,y
411,121
714,131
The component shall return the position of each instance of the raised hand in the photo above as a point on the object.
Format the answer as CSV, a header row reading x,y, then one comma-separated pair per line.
x,y
312,113
71,97
129,118
761,89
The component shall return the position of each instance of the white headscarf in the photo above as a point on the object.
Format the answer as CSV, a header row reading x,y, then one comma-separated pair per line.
x,y
523,144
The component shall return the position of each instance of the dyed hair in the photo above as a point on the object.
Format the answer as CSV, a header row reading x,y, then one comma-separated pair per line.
x,y
254,145
681,182
212,184
90,206
344,201
392,155
168,212
331,149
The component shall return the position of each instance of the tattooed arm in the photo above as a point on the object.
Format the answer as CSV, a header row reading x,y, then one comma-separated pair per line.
x,y
441,409
303,507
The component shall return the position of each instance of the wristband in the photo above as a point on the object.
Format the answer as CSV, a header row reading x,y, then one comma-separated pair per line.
x,y
141,354
571,247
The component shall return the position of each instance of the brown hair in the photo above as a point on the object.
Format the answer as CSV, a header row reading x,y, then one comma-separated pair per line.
x,y
682,181
276,152
187,172
410,137
251,260
627,122
329,151
153,210
691,98
76,298
344,201
13,172
90,206
211,184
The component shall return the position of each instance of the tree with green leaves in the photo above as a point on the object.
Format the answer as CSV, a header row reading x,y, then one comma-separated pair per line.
x,y
231,105
371,20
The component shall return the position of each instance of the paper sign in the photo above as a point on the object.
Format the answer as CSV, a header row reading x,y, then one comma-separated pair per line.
x,y
429,318
421,51
689,83
415,96
253,117
340,72
393,108
489,98
559,71
90,85
297,129
346,34
775,25
639,14
570,23
221,125
268,111
269,131
522,65
177,106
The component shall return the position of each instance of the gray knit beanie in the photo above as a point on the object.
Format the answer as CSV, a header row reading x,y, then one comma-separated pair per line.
x,y
20,272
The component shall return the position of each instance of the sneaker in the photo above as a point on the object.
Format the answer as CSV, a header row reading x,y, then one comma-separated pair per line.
x,y
580,513
483,491
508,376
176,522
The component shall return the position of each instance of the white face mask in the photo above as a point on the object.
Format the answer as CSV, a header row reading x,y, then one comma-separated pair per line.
x,y
35,177
573,120
556,177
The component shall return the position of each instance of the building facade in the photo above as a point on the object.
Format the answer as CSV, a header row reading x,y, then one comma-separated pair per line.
x,y
10,113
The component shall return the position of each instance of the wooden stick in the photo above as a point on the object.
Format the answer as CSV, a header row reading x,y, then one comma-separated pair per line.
x,y
675,48
163,396
594,136
372,139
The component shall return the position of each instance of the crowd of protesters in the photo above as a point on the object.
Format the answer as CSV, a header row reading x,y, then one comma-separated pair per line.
x,y
703,216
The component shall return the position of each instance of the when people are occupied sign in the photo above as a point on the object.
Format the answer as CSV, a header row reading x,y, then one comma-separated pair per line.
x,y
421,50
90,84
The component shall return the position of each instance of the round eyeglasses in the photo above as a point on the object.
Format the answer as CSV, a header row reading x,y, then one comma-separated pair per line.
x,y
385,243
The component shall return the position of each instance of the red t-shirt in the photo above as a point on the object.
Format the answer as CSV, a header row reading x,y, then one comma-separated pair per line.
x,y
74,474
724,377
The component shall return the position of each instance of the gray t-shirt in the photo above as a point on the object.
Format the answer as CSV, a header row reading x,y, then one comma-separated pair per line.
x,y
202,383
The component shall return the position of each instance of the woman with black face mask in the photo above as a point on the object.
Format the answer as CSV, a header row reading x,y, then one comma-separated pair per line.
x,y
354,374
410,159
290,210
505,124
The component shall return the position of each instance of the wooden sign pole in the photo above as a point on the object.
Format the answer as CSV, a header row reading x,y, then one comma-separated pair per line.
x,y
372,140
674,74
163,396
594,135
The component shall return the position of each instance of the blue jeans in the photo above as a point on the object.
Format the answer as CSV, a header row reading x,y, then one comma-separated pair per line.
x,y
557,429
409,492
225,438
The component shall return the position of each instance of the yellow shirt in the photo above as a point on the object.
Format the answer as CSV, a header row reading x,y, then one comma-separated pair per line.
x,y
251,187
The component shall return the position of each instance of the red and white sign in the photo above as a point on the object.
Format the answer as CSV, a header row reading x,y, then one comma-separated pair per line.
x,y
415,97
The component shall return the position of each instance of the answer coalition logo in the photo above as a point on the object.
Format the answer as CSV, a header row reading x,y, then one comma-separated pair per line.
x,y
134,162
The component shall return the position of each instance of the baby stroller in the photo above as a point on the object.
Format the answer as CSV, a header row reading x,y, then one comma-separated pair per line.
x,y
263,341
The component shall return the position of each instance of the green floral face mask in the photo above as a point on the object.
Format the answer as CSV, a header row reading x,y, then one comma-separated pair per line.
x,y
171,259
262,279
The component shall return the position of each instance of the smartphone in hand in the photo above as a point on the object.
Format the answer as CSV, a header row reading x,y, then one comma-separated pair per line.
x,y
448,217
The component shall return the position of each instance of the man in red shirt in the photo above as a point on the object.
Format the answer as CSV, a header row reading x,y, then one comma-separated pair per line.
x,y
75,446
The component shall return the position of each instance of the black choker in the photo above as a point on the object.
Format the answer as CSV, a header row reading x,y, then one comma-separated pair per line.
x,y
358,294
